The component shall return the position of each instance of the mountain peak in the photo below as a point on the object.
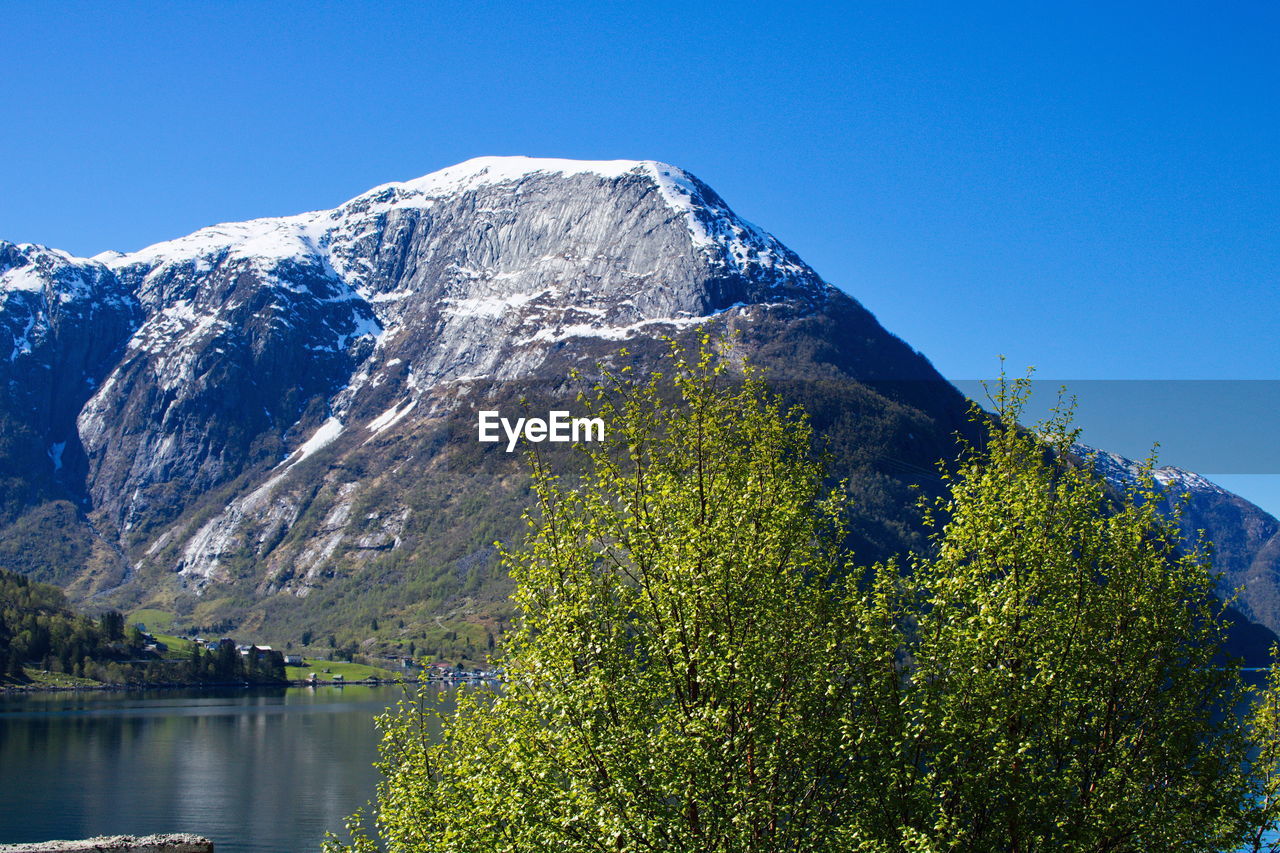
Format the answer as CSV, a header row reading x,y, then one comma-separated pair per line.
x,y
298,236
511,169
325,238
711,223
33,268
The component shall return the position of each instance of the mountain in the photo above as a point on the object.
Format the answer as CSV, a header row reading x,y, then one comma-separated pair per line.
x,y
1245,539
64,323
271,425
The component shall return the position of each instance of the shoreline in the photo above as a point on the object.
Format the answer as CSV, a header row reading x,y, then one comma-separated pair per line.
x,y
19,689
7,689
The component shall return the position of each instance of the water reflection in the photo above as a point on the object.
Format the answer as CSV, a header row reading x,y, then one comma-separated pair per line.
x,y
262,771
265,770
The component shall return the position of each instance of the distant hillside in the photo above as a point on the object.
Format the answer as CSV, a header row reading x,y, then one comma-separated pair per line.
x,y
1245,539
42,638
39,630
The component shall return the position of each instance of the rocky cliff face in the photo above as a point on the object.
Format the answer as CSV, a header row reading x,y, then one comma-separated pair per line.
x,y
230,357
63,322
271,423
254,330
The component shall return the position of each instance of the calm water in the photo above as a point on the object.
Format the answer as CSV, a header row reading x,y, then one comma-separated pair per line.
x,y
258,771
266,770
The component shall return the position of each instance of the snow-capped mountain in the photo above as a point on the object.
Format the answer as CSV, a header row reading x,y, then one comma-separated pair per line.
x,y
63,321
270,423
475,271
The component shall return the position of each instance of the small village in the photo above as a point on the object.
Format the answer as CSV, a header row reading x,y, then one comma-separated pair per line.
x,y
322,671
151,657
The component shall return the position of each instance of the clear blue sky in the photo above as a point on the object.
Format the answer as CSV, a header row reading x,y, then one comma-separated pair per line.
x,y
1088,189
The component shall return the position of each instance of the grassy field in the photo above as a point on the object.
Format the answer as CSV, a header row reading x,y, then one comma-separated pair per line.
x,y
40,679
179,647
155,620
348,671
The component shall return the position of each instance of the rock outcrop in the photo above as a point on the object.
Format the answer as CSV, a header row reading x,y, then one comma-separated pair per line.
x,y
181,843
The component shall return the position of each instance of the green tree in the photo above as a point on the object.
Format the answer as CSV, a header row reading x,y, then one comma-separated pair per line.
x,y
668,683
273,666
227,663
1264,727
111,624
1055,668
196,664
700,667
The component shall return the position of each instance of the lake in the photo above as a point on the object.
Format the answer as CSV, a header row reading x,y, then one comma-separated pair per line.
x,y
267,770
257,771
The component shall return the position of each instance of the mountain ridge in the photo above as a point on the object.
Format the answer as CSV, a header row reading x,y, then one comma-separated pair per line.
x,y
1245,538
268,423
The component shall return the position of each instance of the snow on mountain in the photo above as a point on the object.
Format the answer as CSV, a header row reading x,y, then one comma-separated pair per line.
x,y
495,249
29,267
36,280
63,321
1125,472
268,417
256,337
326,235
